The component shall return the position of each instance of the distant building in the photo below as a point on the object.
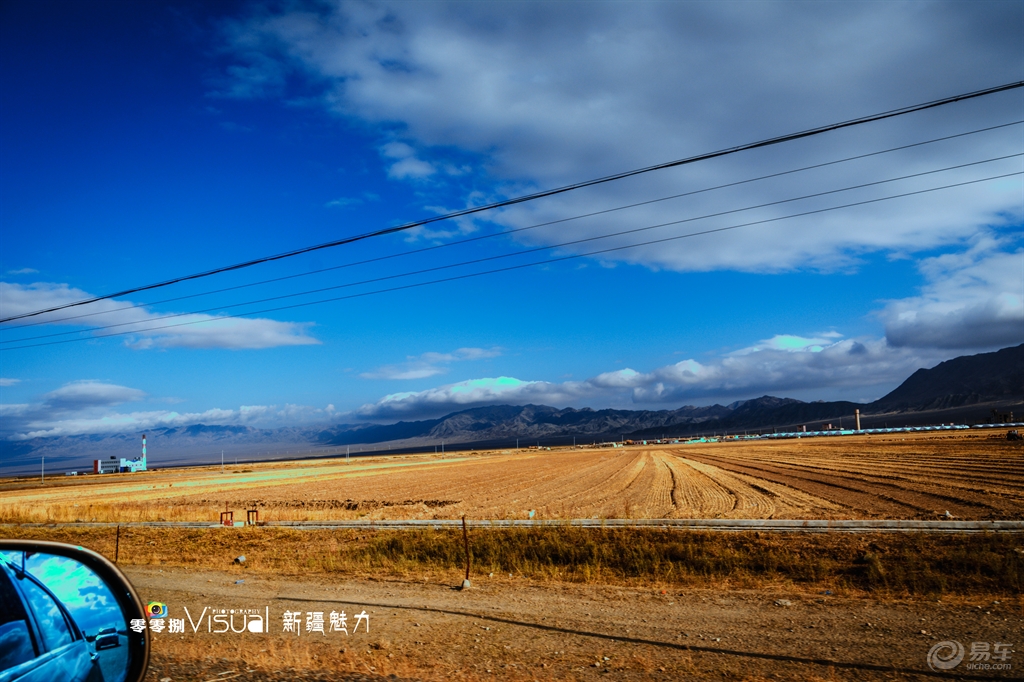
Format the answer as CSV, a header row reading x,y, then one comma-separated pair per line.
x,y
113,466
105,466
133,465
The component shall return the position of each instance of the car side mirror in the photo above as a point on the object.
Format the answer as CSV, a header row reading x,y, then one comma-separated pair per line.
x,y
66,613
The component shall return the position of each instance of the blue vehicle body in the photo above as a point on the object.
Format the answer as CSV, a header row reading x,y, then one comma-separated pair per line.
x,y
39,639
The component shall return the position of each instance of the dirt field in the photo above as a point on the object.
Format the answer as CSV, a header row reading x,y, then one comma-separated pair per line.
x,y
512,629
973,476
566,603
573,604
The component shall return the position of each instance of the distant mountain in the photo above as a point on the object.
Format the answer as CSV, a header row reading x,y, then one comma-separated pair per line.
x,y
963,389
167,446
967,380
763,413
506,423
988,378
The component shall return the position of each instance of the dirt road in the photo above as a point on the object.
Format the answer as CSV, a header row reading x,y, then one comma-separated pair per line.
x,y
504,628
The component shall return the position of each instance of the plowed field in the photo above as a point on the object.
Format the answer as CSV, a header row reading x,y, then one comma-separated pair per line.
x,y
919,476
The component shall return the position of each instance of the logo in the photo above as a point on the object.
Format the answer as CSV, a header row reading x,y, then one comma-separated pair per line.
x,y
230,620
156,609
945,655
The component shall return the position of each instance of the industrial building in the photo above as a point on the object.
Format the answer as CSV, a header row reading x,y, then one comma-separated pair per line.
x,y
113,466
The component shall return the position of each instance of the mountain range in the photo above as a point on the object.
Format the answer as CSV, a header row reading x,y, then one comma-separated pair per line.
x,y
963,390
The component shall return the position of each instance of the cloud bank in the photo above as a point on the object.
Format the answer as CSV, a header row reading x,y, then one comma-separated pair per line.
x,y
186,331
80,395
93,407
784,365
971,299
545,94
539,95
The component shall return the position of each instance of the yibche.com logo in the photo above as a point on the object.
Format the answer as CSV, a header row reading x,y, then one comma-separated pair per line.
x,y
156,609
945,655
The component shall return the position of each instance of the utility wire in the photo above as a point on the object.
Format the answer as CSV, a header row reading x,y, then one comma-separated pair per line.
x,y
522,265
512,254
546,193
509,231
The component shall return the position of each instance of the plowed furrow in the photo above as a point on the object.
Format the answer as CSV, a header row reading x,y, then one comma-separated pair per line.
x,y
698,496
927,499
749,502
865,502
792,503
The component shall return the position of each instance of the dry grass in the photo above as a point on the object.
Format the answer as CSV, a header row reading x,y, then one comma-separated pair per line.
x,y
879,563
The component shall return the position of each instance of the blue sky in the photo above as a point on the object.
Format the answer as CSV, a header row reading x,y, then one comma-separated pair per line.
x,y
142,141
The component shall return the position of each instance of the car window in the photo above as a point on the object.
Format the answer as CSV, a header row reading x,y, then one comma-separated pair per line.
x,y
15,642
51,619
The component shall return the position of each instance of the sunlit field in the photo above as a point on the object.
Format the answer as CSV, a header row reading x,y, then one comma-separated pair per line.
x,y
903,476
639,596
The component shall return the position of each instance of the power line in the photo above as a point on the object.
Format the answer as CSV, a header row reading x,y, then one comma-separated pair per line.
x,y
511,231
546,193
516,253
521,266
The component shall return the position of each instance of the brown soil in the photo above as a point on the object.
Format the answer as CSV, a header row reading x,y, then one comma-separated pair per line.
x,y
900,476
504,628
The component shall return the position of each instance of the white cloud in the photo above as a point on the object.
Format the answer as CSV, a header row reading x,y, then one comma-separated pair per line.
x,y
786,365
23,271
79,395
223,332
546,94
792,343
77,401
411,168
4,381
823,371
552,93
397,150
188,331
116,422
466,394
405,163
447,229
9,410
84,407
430,364
971,299
621,378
